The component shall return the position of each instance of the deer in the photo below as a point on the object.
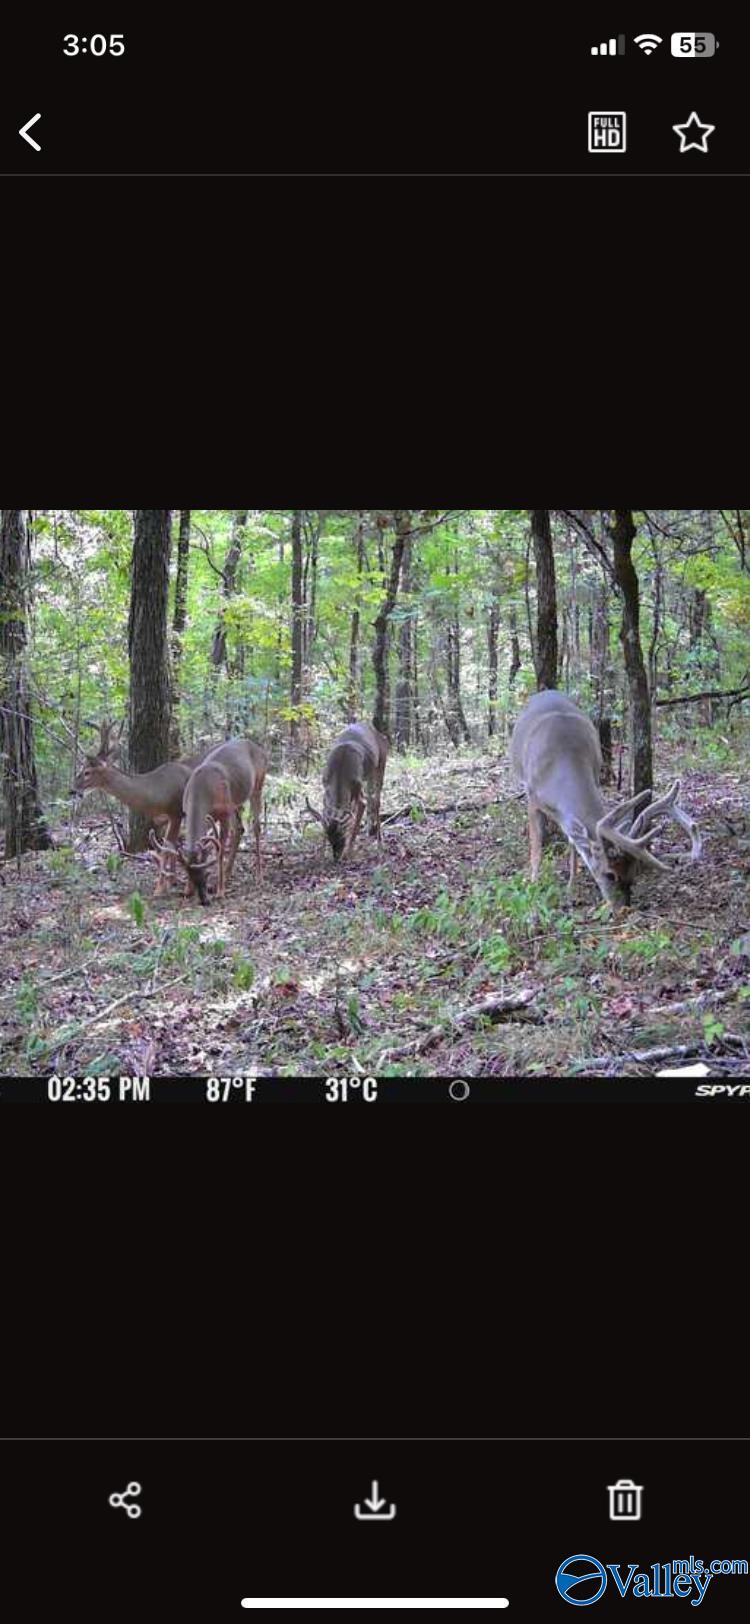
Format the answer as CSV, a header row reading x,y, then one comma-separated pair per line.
x,y
556,758
158,794
357,759
213,798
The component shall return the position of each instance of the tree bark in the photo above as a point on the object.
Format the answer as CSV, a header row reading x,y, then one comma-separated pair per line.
x,y
493,626
623,533
219,649
150,682
602,674
179,621
353,696
515,647
404,720
546,613
402,523
25,826
458,726
298,623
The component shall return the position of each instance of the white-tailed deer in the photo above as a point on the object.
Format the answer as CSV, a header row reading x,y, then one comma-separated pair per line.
x,y
158,794
556,757
358,759
212,802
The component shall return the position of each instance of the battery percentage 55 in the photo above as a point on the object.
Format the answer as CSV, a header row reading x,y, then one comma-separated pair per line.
x,y
694,44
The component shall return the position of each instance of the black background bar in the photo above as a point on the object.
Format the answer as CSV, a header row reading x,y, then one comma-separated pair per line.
x,y
91,1094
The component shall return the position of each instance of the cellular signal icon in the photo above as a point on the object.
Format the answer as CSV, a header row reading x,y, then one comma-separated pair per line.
x,y
648,42
610,47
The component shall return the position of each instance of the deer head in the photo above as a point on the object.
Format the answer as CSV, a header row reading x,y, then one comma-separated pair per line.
x,y
196,861
93,773
335,823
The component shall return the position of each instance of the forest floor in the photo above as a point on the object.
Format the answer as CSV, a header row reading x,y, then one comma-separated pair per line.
x,y
434,956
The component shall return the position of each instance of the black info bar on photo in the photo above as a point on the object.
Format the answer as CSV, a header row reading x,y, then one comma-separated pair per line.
x,y
244,1089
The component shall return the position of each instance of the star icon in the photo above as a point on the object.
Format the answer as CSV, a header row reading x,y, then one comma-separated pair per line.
x,y
693,134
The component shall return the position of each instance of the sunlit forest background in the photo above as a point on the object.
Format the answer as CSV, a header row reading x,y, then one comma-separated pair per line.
x,y
437,625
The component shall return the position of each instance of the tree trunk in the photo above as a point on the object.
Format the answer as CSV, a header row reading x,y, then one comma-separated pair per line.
x,y
546,611
353,696
219,649
314,529
515,647
402,522
298,623
178,627
623,533
404,720
602,674
25,826
150,684
493,626
458,726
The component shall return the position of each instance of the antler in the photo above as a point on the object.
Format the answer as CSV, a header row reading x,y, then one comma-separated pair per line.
x,y
668,806
164,845
106,729
312,811
637,840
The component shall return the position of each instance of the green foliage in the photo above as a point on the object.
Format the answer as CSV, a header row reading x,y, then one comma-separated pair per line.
x,y
243,973
646,949
61,864
27,997
137,908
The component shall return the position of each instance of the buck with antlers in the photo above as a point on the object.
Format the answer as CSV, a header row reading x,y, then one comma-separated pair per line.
x,y
212,802
357,760
157,794
556,757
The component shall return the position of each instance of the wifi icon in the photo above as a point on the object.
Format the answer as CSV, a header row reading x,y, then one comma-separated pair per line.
x,y
648,42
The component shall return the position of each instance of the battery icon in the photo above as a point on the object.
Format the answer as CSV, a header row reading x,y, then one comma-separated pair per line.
x,y
694,44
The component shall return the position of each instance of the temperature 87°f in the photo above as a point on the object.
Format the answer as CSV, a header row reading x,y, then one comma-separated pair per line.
x,y
221,1089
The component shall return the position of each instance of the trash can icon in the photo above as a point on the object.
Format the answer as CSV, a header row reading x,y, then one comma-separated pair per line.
x,y
625,1500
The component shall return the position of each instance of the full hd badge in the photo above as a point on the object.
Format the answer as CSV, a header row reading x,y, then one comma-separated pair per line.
x,y
607,132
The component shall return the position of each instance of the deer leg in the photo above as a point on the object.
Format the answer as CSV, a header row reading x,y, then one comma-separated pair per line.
x,y
236,844
536,828
573,881
373,804
356,820
256,804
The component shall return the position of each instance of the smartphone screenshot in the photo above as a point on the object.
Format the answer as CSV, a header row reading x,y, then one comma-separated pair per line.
x,y
427,827
471,96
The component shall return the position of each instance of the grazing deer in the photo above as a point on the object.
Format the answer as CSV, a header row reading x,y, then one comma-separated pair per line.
x,y
357,759
157,794
213,800
556,757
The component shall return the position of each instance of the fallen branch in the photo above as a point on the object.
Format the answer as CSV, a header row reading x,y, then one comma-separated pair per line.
x,y
436,811
708,693
637,1057
127,998
48,981
708,997
491,1009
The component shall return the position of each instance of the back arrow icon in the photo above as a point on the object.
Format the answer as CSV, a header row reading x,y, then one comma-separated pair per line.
x,y
25,129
